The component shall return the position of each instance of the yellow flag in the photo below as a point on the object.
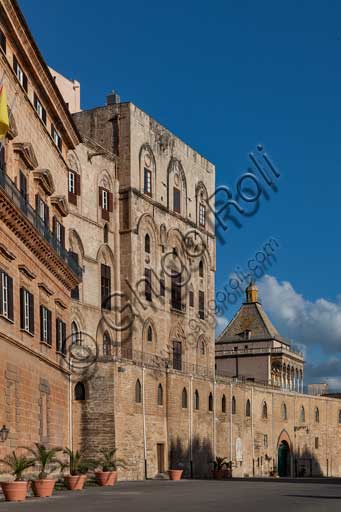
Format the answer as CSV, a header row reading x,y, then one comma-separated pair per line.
x,y
4,121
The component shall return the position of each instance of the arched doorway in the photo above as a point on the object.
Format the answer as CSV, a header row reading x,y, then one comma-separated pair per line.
x,y
283,459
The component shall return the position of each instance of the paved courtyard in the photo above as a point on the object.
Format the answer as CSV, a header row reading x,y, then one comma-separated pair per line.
x,y
193,496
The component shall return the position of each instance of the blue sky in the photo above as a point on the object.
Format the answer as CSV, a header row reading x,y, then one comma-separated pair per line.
x,y
226,76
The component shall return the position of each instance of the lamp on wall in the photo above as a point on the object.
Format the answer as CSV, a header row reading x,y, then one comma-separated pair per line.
x,y
4,431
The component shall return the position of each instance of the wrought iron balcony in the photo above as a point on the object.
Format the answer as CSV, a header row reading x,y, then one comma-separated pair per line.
x,y
16,198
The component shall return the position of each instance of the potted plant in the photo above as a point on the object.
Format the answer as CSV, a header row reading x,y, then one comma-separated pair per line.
x,y
47,461
78,466
222,468
17,490
175,473
109,464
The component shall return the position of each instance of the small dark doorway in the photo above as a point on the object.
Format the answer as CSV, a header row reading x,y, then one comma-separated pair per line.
x,y
283,459
160,458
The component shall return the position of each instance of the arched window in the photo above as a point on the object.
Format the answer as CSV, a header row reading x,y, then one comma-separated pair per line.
x,y
202,348
159,395
264,411
317,415
284,411
79,391
234,405
105,233
201,269
150,334
138,392
340,417
147,244
184,398
196,400
106,344
302,415
75,334
248,408
223,404
210,402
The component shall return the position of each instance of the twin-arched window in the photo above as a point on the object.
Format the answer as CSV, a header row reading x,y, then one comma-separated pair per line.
x,y
284,411
138,392
196,400
223,404
210,402
106,344
159,395
184,399
317,415
147,244
201,269
150,334
234,405
248,408
264,411
302,415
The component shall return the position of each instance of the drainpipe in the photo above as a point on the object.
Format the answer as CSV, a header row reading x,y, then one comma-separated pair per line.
x,y
252,435
144,427
214,418
70,408
231,394
191,425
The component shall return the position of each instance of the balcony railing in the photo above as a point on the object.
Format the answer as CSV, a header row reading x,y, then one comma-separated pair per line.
x,y
256,350
31,215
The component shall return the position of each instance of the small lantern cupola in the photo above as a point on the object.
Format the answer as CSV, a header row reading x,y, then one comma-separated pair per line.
x,y
252,292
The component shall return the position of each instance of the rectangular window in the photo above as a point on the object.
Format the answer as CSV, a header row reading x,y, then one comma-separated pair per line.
x,y
72,182
191,299
176,292
39,108
2,41
6,295
147,182
20,74
105,202
177,355
74,186
105,199
202,215
58,233
26,311
75,291
316,443
106,286
201,305
56,137
60,336
148,284
45,325
176,200
42,210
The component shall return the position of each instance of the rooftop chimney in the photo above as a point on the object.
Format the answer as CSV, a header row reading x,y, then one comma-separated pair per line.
x,y
113,98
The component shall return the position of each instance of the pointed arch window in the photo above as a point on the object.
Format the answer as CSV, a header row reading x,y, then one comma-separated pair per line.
x,y
248,408
138,392
234,405
302,415
76,335
79,391
264,411
202,348
223,404
106,344
184,398
210,402
159,395
196,400
284,411
150,334
201,269
317,415
147,244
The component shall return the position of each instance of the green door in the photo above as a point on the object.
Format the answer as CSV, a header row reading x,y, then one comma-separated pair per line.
x,y
283,459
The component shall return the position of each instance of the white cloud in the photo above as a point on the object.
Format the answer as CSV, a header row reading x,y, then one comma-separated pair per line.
x,y
221,322
308,323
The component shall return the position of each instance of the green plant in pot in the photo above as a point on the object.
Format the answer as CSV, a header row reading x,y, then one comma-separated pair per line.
x,y
108,464
222,468
78,466
47,462
18,464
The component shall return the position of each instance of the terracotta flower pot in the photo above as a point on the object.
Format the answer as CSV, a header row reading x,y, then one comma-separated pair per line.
x,y
75,482
218,474
175,474
14,491
43,488
105,478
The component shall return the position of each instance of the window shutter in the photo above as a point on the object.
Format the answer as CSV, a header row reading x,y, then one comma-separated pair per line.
x,y
22,322
62,233
110,201
35,101
64,338
78,184
31,313
44,116
47,215
41,324
15,64
25,85
54,226
57,335
49,327
1,286
37,204
100,189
